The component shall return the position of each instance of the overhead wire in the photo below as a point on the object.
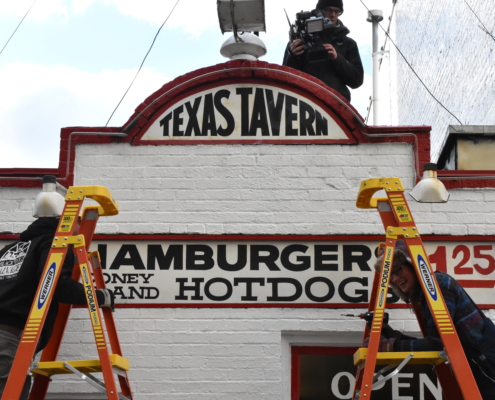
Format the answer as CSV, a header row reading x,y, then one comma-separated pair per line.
x,y
483,27
394,2
15,30
412,69
142,63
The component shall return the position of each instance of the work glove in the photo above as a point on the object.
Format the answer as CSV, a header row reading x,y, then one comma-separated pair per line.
x,y
388,332
106,298
384,345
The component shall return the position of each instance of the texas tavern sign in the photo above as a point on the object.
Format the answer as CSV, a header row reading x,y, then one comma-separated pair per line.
x,y
244,111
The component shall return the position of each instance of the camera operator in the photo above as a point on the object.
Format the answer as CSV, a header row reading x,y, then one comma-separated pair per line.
x,y
342,66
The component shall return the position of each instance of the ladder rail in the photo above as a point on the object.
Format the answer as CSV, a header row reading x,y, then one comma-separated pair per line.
x,y
452,390
110,325
41,383
95,317
366,381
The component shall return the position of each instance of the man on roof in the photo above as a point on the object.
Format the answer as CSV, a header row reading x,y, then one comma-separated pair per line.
x,y
341,66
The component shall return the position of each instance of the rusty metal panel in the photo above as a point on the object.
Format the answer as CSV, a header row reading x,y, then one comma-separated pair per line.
x,y
476,154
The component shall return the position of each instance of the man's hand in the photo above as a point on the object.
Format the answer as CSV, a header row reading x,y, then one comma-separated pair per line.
x,y
332,53
106,298
384,345
297,47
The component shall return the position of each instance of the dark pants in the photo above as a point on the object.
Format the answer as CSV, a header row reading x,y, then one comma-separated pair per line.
x,y
485,382
484,370
8,347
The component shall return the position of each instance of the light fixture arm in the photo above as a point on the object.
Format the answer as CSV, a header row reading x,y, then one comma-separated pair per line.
x,y
234,26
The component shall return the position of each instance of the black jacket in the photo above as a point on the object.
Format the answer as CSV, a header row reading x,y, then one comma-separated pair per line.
x,y
21,267
346,70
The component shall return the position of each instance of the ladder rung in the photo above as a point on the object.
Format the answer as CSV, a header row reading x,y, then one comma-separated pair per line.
x,y
394,357
50,368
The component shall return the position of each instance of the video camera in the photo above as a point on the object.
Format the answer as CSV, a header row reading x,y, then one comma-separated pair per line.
x,y
309,27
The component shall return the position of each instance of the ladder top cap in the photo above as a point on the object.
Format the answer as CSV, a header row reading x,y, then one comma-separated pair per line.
x,y
369,187
98,193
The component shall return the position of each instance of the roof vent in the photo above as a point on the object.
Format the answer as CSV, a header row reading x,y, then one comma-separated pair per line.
x,y
241,17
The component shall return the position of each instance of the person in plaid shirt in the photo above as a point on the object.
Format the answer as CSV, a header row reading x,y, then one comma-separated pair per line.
x,y
476,332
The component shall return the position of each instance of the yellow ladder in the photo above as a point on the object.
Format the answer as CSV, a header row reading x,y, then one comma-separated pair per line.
x,y
399,224
68,233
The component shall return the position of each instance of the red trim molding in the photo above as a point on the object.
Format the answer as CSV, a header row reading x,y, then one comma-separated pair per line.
x,y
453,179
239,71
315,238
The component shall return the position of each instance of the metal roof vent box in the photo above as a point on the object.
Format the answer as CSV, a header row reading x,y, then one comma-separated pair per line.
x,y
242,17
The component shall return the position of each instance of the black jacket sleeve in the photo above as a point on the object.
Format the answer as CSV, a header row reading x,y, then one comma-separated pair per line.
x,y
349,69
290,60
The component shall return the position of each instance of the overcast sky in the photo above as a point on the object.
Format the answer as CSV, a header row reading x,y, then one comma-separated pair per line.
x,y
70,61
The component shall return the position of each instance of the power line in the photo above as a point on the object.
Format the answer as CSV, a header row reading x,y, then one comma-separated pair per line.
x,y
412,69
141,66
15,30
483,27
394,2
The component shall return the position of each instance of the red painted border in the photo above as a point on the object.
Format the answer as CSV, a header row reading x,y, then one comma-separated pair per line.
x,y
452,174
315,238
297,351
287,238
334,306
253,305
178,142
467,179
238,70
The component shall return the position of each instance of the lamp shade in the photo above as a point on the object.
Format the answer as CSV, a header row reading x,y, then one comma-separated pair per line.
x,y
429,189
48,202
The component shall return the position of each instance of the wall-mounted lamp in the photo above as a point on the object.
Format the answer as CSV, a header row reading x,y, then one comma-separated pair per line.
x,y
429,189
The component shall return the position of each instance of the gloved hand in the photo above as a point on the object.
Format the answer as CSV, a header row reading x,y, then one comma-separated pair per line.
x,y
384,345
388,332
106,298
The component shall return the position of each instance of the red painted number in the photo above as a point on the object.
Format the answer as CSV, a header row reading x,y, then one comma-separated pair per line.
x,y
460,268
480,252
491,261
439,258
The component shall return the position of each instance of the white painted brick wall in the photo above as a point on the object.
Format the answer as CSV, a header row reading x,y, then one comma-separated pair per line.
x,y
442,40
210,353
225,189
236,353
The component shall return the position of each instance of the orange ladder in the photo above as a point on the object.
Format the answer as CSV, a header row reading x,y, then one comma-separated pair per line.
x,y
70,233
399,224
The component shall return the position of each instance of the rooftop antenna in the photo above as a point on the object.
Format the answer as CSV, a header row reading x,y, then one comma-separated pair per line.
x,y
292,33
376,16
